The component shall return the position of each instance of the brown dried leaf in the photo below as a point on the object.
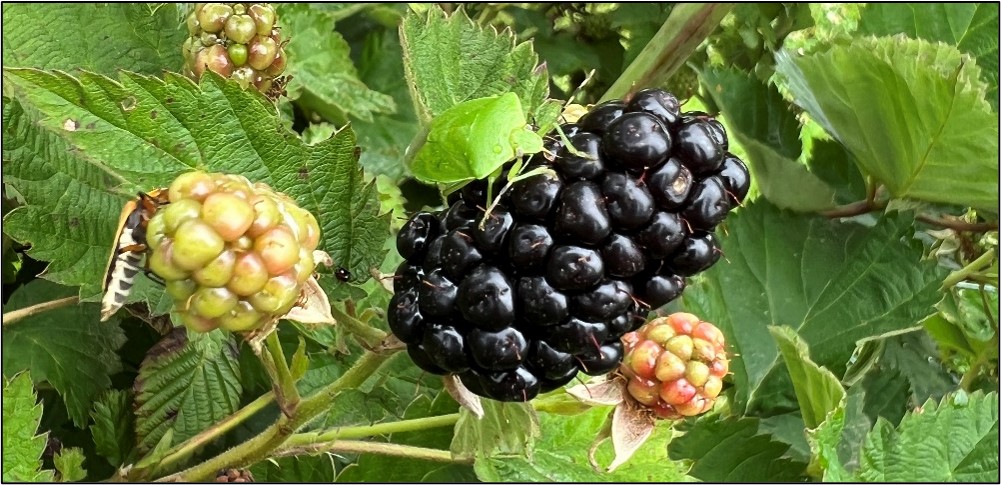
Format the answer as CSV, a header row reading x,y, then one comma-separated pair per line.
x,y
632,424
463,396
321,257
607,392
313,306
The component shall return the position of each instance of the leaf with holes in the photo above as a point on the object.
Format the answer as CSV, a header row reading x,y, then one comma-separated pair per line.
x,y
186,385
106,37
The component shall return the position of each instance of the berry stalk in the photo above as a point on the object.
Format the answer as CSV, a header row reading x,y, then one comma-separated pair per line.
x,y
390,449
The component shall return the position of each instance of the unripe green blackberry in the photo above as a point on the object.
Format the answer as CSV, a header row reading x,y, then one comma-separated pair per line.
x,y
675,365
234,254
236,40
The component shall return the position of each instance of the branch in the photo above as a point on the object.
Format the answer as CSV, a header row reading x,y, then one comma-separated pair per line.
x,y
956,225
391,449
15,315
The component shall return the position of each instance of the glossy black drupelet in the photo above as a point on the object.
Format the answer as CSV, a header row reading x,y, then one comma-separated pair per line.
x,y
519,301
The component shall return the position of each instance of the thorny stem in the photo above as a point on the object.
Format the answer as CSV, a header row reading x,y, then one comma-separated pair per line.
x,y
391,449
260,446
961,274
20,314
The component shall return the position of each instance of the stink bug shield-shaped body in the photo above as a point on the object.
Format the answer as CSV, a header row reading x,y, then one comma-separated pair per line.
x,y
127,254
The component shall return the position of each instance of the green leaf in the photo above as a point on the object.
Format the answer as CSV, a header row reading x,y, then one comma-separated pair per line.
x,y
952,441
319,61
788,428
473,139
835,442
448,59
560,455
186,385
760,120
835,283
69,462
830,162
821,397
22,449
912,113
818,391
734,449
141,132
67,347
98,37
291,469
912,355
886,394
384,141
972,27
506,428
114,426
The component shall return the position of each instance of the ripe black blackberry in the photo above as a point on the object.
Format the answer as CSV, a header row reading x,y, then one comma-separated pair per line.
x,y
517,301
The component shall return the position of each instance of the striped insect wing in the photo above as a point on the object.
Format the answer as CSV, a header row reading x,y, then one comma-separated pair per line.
x,y
128,214
123,265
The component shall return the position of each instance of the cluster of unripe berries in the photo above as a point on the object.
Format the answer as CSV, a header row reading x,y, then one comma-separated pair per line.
x,y
233,254
675,365
235,40
517,301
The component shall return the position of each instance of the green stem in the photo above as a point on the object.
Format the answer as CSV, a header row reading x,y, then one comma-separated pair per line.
x,y
974,370
390,449
187,448
961,274
20,314
259,447
687,26
288,393
355,432
369,335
